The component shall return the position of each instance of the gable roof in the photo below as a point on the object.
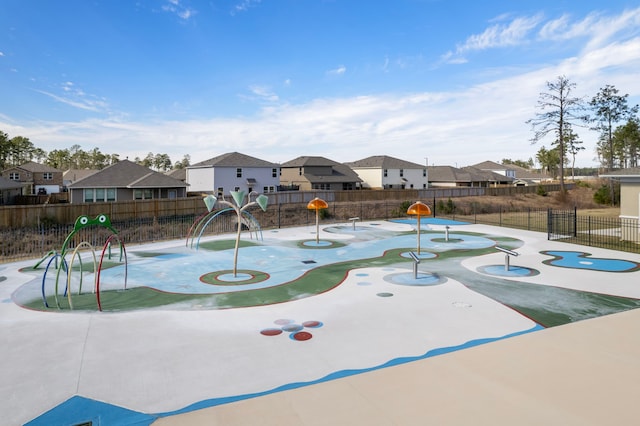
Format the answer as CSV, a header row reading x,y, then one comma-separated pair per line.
x,y
34,167
233,159
466,174
491,165
339,172
384,162
126,174
479,175
309,161
76,174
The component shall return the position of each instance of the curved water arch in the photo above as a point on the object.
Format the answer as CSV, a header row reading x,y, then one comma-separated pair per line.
x,y
107,244
73,255
255,225
44,276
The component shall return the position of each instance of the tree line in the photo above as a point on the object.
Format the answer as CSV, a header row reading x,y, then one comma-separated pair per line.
x,y
608,113
19,150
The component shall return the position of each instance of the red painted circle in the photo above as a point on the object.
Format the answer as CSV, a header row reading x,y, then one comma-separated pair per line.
x,y
270,331
311,324
302,335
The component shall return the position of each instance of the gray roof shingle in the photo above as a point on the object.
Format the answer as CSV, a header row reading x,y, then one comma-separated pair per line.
x,y
126,174
234,159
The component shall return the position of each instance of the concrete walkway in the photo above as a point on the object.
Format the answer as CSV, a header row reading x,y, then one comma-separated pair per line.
x,y
365,355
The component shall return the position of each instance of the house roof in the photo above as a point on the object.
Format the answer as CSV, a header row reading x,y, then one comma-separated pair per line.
x,y
491,165
448,174
233,159
9,184
309,161
339,172
76,174
520,172
384,162
126,174
466,174
632,172
180,174
479,175
34,167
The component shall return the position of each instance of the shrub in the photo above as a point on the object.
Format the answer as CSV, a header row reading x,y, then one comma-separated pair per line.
x,y
541,191
446,208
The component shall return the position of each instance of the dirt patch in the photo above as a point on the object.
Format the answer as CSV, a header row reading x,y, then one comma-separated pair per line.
x,y
580,198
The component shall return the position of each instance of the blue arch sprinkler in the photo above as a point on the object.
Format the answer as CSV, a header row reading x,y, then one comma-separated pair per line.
x,y
238,197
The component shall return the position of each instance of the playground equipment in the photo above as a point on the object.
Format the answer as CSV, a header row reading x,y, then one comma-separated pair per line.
x,y
61,263
317,204
507,253
419,209
238,197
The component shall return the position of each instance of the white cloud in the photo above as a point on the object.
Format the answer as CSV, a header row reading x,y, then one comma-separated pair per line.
x,y
498,35
338,71
179,9
244,5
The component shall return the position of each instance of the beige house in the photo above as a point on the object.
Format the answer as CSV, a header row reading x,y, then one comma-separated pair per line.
x,y
384,172
35,178
317,173
629,201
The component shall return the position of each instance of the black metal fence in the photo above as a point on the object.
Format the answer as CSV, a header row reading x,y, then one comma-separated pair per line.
x,y
563,225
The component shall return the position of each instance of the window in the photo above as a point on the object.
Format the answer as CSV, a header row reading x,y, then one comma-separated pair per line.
x,y
321,186
300,171
99,195
142,194
274,172
237,188
239,172
385,172
401,172
14,176
47,176
424,172
220,192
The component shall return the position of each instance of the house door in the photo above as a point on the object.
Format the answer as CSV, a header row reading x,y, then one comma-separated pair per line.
x,y
173,194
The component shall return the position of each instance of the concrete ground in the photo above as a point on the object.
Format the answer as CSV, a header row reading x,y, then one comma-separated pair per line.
x,y
369,351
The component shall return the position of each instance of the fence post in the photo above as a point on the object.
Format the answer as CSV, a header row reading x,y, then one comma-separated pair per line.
x,y
575,221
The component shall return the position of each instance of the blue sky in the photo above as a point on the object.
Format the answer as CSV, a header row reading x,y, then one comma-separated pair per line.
x,y
449,81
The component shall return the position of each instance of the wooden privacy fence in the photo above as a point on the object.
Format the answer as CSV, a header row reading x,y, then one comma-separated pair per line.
x,y
30,215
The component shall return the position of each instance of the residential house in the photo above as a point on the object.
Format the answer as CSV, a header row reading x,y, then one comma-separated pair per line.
x,y
448,176
313,173
384,172
9,189
123,181
35,178
520,176
233,172
629,201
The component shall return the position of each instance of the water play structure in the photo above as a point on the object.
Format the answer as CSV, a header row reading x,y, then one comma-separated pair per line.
x,y
317,204
419,209
58,259
239,208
